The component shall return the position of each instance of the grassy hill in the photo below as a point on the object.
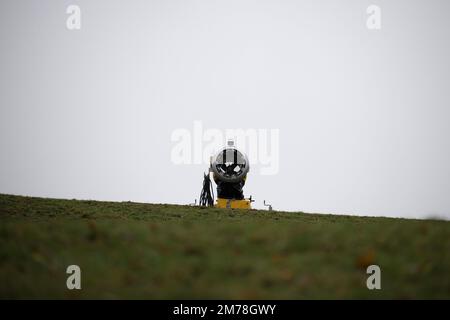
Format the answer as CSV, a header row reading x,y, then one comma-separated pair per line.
x,y
157,251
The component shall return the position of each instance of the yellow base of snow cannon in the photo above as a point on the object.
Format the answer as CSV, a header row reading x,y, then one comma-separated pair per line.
x,y
233,204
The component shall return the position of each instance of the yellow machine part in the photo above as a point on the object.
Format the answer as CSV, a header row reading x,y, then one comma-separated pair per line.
x,y
233,204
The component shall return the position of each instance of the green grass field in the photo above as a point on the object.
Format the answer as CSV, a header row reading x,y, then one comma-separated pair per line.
x,y
158,251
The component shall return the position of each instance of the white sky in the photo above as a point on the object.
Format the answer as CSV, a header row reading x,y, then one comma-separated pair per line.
x,y
363,115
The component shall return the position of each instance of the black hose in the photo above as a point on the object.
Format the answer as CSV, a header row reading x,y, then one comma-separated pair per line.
x,y
207,194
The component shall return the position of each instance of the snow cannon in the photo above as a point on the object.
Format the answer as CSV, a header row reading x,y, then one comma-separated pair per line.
x,y
228,168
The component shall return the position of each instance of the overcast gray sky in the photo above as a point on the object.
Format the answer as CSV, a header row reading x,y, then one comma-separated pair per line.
x,y
363,115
